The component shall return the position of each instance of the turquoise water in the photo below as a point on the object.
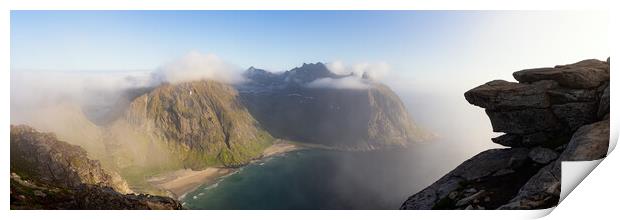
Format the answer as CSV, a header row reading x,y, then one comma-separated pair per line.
x,y
322,179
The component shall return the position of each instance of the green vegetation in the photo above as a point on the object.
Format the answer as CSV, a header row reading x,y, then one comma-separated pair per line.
x,y
137,178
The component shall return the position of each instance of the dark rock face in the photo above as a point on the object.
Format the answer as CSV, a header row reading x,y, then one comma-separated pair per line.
x,y
553,115
503,95
590,142
525,121
351,119
603,107
50,174
542,155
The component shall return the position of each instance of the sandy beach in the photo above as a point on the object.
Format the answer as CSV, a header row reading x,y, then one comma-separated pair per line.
x,y
181,182
279,147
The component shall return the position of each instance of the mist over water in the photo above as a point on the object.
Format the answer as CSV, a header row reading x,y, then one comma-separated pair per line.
x,y
322,179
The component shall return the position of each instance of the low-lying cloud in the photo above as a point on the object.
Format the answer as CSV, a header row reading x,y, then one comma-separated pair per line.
x,y
198,66
35,88
349,82
371,70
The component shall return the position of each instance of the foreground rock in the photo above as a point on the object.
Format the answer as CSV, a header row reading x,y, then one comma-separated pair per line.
x,y
42,156
52,174
553,115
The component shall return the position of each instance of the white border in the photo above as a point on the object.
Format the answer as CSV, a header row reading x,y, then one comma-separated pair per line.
x,y
595,196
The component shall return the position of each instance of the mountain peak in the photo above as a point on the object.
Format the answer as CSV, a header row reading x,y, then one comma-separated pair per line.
x,y
314,66
309,72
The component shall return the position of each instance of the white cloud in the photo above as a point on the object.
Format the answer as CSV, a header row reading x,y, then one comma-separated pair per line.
x,y
375,71
350,82
40,86
338,67
198,66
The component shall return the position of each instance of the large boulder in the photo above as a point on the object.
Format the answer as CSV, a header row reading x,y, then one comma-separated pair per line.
x,y
583,74
590,142
547,104
504,95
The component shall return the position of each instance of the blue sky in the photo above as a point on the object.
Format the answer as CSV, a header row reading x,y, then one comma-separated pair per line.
x,y
416,44
273,39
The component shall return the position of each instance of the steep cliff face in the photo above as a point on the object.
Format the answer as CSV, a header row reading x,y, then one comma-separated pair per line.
x,y
52,174
199,124
367,117
552,115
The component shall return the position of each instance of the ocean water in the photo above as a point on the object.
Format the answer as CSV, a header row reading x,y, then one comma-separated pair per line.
x,y
323,179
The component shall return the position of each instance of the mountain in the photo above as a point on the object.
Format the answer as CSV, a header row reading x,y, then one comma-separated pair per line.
x,y
551,115
193,124
370,116
52,174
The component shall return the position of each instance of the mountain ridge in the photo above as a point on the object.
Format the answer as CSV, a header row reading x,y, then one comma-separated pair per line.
x,y
355,116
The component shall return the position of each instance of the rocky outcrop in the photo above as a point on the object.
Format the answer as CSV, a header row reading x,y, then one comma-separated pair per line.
x,y
372,117
548,104
31,194
552,115
47,173
581,75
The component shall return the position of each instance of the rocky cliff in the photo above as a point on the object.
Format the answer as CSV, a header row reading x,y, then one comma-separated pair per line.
x,y
198,124
370,116
551,115
51,174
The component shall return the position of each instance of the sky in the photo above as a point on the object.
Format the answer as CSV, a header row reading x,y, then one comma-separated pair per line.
x,y
416,44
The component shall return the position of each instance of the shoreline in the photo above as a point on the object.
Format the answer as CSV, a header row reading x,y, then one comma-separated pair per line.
x,y
183,181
